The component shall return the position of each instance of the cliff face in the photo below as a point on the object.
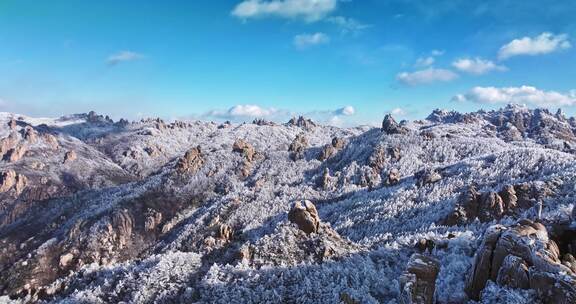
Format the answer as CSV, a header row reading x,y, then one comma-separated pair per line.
x,y
296,212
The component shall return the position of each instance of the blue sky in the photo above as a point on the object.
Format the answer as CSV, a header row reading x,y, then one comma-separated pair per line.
x,y
338,61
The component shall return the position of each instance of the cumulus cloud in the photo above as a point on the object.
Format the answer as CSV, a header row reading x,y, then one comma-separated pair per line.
x,y
477,66
123,56
243,112
543,44
517,95
304,41
309,10
427,61
247,112
424,62
398,112
426,76
346,111
347,25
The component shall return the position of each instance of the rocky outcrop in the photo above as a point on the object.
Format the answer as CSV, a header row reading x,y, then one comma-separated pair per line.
x,y
8,143
245,168
302,122
393,177
370,178
511,133
12,124
327,152
244,148
153,151
16,153
325,181
390,126
224,232
377,159
509,198
444,116
11,180
331,149
305,216
263,122
153,220
30,135
522,256
248,152
489,205
51,141
418,282
70,157
191,162
381,155
394,153
298,147
427,176
338,143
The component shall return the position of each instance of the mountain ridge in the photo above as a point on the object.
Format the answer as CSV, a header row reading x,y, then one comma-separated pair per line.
x,y
134,203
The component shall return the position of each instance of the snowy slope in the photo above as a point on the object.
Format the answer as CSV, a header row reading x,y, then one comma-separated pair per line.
x,y
126,225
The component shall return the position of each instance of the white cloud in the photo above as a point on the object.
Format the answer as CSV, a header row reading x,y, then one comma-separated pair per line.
x,y
309,10
517,95
543,44
303,41
123,56
346,111
398,112
427,61
247,112
477,66
426,76
348,25
243,111
424,62
437,53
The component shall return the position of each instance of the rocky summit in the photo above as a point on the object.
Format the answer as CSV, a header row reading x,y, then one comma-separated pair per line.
x,y
455,208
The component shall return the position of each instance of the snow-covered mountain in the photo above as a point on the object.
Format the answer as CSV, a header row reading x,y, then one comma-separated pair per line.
x,y
436,210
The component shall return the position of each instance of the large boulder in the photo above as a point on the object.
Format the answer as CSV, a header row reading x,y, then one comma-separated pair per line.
x,y
418,282
331,149
191,162
393,177
70,156
305,216
522,256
